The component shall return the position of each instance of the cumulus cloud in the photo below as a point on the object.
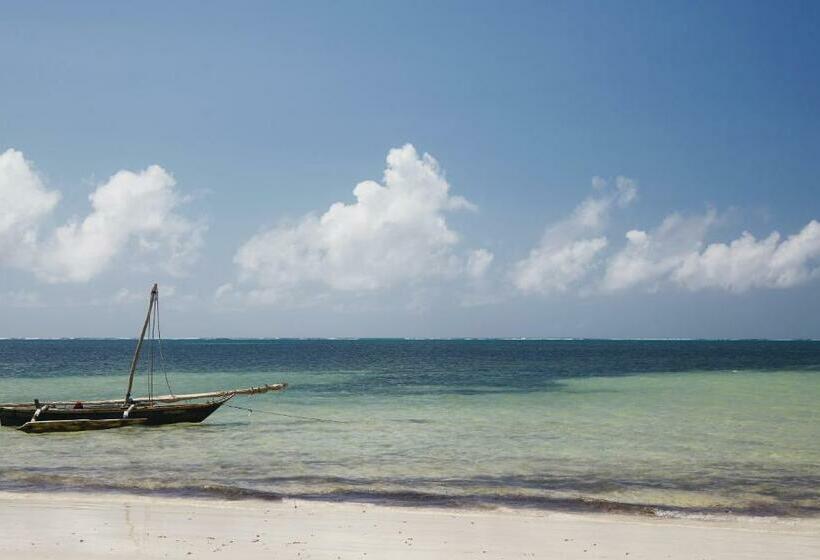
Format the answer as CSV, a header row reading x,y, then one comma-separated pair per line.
x,y
24,203
575,255
569,249
478,261
134,211
394,233
747,263
676,254
649,258
139,207
557,268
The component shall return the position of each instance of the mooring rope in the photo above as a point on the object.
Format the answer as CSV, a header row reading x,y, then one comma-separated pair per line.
x,y
288,415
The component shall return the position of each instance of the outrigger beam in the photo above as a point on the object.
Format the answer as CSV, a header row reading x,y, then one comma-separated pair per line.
x,y
172,398
218,394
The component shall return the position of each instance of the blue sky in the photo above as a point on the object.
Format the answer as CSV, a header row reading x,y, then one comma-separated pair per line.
x,y
260,116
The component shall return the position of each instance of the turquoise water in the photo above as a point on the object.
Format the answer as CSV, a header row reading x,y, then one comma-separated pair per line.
x,y
663,426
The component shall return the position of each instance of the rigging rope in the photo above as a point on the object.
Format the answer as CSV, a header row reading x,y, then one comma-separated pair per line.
x,y
152,343
288,415
161,356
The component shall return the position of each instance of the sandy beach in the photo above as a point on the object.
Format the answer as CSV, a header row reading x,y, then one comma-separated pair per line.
x,y
87,526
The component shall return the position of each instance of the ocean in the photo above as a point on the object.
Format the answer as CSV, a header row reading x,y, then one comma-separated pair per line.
x,y
659,427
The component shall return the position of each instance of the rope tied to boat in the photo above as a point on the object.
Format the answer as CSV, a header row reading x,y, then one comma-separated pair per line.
x,y
252,410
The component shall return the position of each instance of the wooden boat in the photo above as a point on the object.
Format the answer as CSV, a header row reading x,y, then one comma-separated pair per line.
x,y
45,426
150,411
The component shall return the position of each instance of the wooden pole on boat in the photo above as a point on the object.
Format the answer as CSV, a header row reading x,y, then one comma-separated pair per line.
x,y
219,394
135,360
163,398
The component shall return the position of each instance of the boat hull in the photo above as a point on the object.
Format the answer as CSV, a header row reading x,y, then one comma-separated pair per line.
x,y
154,415
82,425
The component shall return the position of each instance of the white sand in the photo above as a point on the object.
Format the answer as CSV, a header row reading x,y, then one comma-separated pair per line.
x,y
69,526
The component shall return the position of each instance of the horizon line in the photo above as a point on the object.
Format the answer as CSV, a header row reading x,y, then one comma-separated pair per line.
x,y
432,339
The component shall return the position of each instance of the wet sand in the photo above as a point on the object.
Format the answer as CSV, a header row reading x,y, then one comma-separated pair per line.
x,y
87,526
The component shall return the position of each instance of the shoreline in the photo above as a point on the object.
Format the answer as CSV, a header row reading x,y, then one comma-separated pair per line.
x,y
91,525
419,500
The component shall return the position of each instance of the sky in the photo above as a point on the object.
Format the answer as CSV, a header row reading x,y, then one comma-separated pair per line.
x,y
411,169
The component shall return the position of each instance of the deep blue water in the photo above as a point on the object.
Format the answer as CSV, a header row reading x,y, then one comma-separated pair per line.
x,y
512,363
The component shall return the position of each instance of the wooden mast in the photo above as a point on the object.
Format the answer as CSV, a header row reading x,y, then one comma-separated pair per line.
x,y
135,360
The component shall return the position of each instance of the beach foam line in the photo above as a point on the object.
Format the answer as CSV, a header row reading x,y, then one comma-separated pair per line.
x,y
344,491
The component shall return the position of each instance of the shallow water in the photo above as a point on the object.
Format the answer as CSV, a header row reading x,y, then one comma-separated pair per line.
x,y
677,426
